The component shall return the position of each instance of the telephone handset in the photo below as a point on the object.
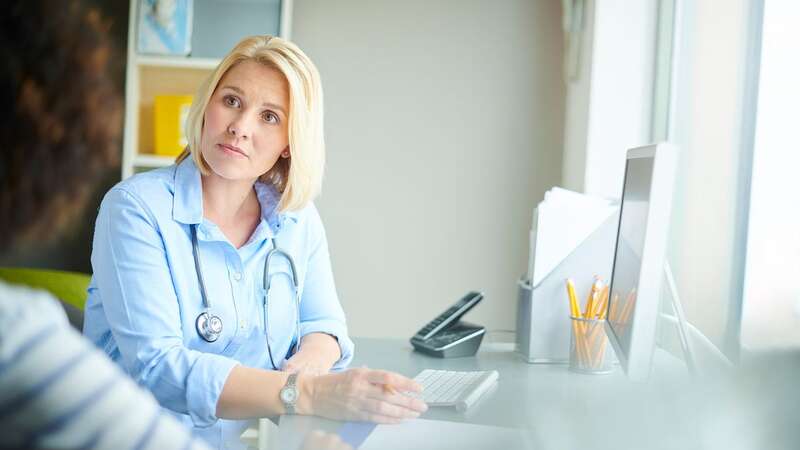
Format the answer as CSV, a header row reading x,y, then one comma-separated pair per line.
x,y
446,336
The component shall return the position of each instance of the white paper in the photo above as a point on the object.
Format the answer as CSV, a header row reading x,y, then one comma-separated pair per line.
x,y
443,435
564,220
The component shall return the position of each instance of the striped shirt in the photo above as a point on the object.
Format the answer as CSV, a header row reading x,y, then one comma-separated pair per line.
x,y
58,391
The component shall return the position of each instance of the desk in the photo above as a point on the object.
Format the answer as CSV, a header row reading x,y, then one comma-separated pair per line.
x,y
557,408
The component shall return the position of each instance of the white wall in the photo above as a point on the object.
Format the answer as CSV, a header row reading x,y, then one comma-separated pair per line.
x,y
444,129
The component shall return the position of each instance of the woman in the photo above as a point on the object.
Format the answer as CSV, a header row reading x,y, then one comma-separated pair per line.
x,y
212,282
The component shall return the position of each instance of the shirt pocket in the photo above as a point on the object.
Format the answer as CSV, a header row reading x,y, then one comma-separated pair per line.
x,y
281,310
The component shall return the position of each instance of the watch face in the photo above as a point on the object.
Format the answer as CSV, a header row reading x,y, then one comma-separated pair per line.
x,y
289,395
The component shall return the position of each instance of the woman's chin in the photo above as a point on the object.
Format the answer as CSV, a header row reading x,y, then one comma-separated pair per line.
x,y
228,170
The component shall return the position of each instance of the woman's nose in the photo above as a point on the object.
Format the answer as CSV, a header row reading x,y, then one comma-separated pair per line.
x,y
239,128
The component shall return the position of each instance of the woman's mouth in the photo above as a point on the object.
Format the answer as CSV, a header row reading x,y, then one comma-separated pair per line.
x,y
233,150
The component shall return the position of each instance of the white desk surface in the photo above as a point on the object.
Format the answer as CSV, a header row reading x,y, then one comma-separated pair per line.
x,y
556,408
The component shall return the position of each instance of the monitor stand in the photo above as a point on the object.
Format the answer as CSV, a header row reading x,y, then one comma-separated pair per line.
x,y
685,328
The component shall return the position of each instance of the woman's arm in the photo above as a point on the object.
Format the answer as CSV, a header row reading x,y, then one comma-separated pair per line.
x,y
139,301
325,343
357,394
318,353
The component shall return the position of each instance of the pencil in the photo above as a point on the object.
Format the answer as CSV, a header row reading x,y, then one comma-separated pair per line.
x,y
578,328
603,304
590,301
575,310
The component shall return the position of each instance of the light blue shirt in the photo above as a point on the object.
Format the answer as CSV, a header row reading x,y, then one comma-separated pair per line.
x,y
144,296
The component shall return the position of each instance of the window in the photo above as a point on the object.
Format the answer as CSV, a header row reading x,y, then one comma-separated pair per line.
x,y
771,312
710,118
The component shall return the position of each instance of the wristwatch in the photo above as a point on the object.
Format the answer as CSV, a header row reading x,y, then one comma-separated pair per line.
x,y
289,393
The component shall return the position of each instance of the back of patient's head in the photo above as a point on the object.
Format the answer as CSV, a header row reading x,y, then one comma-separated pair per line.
x,y
61,115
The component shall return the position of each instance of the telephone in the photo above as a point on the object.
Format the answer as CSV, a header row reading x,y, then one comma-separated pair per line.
x,y
446,336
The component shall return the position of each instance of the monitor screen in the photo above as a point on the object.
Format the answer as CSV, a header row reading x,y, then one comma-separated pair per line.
x,y
630,245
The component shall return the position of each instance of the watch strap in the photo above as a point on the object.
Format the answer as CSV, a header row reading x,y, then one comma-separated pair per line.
x,y
291,383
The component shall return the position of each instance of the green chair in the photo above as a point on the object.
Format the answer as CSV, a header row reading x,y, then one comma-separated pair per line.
x,y
68,287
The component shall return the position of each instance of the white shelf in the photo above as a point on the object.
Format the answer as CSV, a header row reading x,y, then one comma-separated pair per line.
x,y
144,160
176,61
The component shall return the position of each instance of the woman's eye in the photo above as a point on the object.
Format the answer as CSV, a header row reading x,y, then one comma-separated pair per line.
x,y
231,100
270,117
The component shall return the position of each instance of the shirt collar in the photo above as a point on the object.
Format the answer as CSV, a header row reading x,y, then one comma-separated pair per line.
x,y
187,206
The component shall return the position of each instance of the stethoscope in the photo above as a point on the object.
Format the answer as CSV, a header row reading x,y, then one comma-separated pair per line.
x,y
209,325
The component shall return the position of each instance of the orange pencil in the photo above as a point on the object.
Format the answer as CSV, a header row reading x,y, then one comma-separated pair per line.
x,y
575,311
587,311
574,308
603,304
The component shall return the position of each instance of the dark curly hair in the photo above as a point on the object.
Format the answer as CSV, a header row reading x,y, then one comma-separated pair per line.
x,y
61,118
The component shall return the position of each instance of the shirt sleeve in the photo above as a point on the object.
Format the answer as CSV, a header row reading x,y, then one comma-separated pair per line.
x,y
133,277
60,390
320,310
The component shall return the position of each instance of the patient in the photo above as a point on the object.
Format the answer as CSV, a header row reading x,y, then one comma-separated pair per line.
x,y
59,134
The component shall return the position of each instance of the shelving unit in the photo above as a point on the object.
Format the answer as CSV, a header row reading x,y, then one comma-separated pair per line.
x,y
151,75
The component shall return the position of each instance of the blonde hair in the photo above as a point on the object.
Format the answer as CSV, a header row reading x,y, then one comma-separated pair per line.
x,y
299,177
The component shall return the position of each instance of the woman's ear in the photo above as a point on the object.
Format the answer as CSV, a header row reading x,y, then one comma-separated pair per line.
x,y
285,153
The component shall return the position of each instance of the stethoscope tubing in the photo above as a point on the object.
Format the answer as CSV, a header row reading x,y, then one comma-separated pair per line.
x,y
206,316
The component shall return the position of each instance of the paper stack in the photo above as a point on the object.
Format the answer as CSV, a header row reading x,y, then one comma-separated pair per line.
x,y
572,236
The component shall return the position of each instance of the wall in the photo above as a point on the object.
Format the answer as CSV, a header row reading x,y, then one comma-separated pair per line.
x,y
444,129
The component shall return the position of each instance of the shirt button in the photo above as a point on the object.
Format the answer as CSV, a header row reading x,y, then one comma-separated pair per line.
x,y
237,276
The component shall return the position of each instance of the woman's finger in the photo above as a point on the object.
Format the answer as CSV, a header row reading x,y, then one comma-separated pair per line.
x,y
378,392
384,408
395,380
408,402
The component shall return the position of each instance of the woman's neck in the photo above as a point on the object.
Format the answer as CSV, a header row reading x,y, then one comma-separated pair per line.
x,y
227,202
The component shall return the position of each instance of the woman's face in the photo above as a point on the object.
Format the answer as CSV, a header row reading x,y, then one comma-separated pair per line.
x,y
245,123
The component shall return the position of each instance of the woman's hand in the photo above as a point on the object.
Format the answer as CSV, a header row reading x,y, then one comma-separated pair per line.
x,y
318,353
363,395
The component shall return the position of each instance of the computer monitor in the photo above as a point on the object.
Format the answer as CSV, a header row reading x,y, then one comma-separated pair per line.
x,y
642,233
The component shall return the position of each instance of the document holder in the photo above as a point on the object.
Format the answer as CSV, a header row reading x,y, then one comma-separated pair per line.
x,y
543,324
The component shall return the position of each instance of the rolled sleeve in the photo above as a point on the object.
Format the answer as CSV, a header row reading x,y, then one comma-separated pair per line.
x,y
337,330
133,279
320,310
204,387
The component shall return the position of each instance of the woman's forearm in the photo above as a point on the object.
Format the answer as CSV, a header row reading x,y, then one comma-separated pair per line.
x,y
249,393
324,345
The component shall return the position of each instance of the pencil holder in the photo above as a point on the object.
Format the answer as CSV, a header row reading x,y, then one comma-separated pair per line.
x,y
589,350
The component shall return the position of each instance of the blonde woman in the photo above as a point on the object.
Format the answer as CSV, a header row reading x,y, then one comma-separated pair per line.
x,y
212,282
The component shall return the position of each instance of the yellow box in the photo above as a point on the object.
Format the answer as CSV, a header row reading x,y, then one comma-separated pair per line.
x,y
169,115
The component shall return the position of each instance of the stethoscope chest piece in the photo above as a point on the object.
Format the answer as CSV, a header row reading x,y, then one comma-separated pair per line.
x,y
209,326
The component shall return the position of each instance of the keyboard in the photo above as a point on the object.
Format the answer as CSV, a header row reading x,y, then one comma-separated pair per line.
x,y
455,389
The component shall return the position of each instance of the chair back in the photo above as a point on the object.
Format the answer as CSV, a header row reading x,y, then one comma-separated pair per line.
x,y
68,287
